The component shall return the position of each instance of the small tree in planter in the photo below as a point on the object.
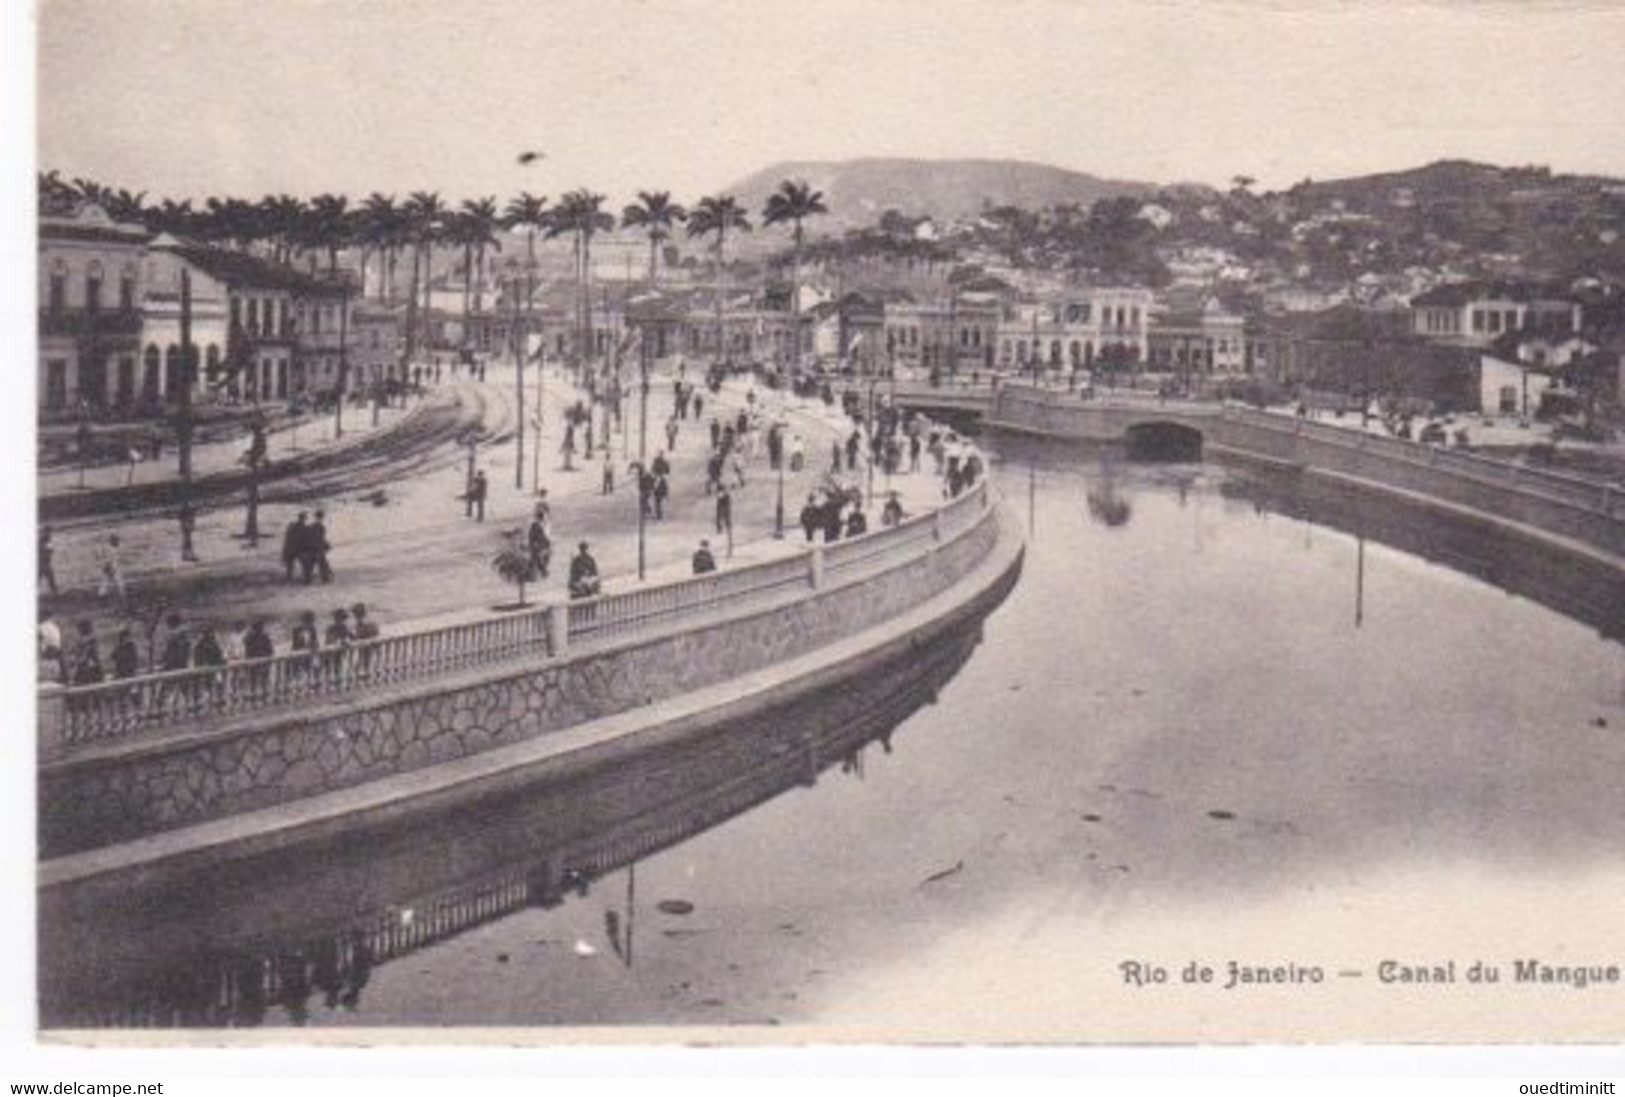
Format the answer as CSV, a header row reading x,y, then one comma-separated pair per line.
x,y
515,565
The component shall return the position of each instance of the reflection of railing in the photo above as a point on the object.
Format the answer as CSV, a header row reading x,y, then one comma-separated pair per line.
x,y
114,711
573,835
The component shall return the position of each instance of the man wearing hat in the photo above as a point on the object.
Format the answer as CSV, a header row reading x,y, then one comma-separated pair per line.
x,y
704,562
584,581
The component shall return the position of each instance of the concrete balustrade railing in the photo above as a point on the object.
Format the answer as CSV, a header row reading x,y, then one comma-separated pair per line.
x,y
73,718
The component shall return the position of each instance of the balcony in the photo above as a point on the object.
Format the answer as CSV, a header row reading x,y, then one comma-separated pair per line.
x,y
79,322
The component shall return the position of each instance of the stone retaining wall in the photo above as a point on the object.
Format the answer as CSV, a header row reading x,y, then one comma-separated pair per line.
x,y
1568,507
90,802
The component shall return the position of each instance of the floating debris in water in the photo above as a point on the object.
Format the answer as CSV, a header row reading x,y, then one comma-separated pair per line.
x,y
1219,813
675,906
1090,817
502,957
958,866
1600,722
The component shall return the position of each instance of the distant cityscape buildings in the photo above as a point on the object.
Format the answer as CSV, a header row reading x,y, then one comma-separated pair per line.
x,y
948,300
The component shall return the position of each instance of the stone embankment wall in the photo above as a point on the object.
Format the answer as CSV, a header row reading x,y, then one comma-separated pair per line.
x,y
1571,508
108,793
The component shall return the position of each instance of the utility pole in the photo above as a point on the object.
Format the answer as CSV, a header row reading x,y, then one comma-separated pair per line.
x,y
643,449
519,385
344,360
183,414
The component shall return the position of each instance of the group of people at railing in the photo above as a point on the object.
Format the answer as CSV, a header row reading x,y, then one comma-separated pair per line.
x,y
177,648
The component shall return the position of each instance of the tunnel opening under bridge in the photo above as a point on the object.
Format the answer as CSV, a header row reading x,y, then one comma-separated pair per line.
x,y
1163,441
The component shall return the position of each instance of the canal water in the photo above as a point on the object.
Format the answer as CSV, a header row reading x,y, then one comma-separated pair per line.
x,y
1217,718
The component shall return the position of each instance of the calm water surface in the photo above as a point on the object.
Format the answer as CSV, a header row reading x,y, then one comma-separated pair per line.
x,y
1192,706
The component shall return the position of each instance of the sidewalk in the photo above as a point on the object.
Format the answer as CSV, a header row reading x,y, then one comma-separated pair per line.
x,y
408,551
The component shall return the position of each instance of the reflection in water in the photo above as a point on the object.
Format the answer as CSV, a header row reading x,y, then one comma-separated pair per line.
x,y
131,972
1175,717
1105,498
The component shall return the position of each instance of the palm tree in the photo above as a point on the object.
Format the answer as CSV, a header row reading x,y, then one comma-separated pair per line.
x,y
383,229
423,212
56,196
175,218
655,213
714,216
480,224
327,226
281,218
580,213
528,212
793,203
124,205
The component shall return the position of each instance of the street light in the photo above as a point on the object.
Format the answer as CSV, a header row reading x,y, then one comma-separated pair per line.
x,y
643,450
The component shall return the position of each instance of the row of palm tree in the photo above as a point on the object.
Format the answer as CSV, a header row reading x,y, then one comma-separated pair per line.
x,y
285,229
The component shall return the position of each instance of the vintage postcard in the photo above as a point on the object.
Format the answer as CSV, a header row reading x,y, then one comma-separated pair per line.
x,y
1058,522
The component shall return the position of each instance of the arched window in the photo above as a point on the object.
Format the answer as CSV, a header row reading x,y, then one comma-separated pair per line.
x,y
1076,353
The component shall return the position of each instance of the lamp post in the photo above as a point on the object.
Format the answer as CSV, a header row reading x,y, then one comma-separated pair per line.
x,y
344,360
519,383
643,451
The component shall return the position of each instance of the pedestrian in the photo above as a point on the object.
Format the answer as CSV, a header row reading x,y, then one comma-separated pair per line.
x,y
477,492
584,581
856,524
47,553
811,517
306,638
716,434
852,444
798,457
699,406
831,516
319,548
713,472
725,511
85,664
544,509
110,567
568,447
739,470
336,643
671,433
704,562
187,517
126,656
835,457
177,652
892,513
608,485
208,652
661,491
660,466
538,544
52,666
293,543
236,642
257,643
914,452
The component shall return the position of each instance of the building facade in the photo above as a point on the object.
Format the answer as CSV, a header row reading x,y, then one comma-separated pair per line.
x,y
91,285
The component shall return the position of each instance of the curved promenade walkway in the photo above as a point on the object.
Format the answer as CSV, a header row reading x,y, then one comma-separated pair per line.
x,y
165,751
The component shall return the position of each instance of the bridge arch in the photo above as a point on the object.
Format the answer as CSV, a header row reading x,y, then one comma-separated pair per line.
x,y
1163,440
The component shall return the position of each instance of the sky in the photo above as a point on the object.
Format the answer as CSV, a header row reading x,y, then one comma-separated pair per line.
x,y
198,97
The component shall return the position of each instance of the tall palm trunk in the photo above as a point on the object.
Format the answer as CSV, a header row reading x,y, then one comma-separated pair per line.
x,y
795,300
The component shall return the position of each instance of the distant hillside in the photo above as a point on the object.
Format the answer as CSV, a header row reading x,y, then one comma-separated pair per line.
x,y
859,191
1455,181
